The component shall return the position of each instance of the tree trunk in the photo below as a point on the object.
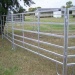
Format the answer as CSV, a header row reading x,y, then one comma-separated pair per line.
x,y
2,24
1,29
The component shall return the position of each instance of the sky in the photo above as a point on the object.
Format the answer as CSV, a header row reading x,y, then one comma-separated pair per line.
x,y
49,3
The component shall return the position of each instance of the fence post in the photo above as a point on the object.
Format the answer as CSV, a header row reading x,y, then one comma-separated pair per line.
x,y
12,32
66,26
3,34
1,16
6,26
38,27
1,26
23,27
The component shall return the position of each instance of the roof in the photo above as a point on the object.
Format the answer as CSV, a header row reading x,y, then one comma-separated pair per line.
x,y
52,9
47,9
72,8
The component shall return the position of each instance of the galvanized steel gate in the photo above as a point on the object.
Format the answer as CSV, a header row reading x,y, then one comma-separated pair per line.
x,y
47,36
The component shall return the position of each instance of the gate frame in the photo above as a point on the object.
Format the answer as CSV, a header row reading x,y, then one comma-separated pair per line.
x,y
66,30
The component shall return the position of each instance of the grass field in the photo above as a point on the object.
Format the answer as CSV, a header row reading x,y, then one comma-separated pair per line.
x,y
22,62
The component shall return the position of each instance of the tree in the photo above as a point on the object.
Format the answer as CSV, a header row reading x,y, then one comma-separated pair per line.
x,y
21,10
12,5
63,7
69,4
33,9
38,7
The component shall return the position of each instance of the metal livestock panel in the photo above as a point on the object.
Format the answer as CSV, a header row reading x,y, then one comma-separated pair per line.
x,y
49,37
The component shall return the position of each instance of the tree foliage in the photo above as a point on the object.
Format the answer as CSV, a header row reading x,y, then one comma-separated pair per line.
x,y
21,10
33,9
63,7
69,4
11,5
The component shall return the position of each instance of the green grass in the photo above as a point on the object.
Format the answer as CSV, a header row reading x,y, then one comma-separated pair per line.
x,y
22,62
48,19
43,27
8,71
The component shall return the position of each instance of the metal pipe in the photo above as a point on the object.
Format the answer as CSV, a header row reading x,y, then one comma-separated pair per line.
x,y
12,32
71,48
40,48
40,54
66,25
38,28
40,41
71,64
71,56
42,33
52,23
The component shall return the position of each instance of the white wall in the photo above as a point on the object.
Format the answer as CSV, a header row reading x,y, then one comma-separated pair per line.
x,y
73,12
57,14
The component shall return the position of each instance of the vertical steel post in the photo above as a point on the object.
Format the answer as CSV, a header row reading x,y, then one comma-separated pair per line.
x,y
7,26
66,25
23,27
2,30
1,26
12,32
38,27
3,33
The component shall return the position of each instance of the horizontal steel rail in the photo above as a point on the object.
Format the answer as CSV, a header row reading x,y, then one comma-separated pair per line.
x,y
40,54
40,48
40,41
72,36
70,64
71,56
47,34
73,23
53,23
7,38
72,47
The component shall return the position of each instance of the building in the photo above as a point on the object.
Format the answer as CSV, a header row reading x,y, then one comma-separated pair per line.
x,y
48,12
57,14
73,11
